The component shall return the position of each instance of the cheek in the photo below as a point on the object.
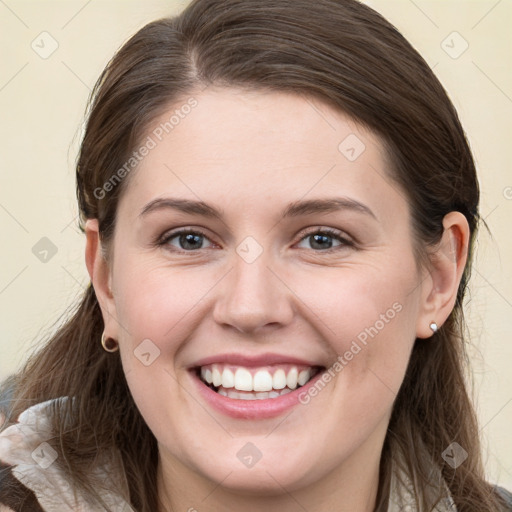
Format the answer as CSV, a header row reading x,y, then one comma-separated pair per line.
x,y
368,317
358,301
154,301
157,307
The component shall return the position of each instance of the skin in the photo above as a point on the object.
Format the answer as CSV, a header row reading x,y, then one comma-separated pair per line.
x,y
251,154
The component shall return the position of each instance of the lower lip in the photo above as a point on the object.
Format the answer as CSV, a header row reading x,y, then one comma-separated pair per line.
x,y
253,409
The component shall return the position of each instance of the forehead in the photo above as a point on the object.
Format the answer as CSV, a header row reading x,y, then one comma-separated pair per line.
x,y
254,150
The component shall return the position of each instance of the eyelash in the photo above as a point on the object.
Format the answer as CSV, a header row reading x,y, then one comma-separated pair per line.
x,y
332,233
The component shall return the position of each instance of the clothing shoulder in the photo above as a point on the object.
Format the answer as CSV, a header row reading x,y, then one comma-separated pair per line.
x,y
14,496
32,481
506,495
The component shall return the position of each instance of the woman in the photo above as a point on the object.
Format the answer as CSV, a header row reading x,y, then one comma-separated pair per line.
x,y
280,208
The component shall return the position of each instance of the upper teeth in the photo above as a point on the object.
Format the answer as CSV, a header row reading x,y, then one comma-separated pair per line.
x,y
255,379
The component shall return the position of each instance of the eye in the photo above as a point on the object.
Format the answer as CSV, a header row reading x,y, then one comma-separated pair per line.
x,y
322,239
185,240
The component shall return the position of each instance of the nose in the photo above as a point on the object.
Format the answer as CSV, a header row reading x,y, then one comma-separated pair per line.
x,y
253,297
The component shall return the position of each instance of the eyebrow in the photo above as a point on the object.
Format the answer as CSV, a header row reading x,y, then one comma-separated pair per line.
x,y
294,209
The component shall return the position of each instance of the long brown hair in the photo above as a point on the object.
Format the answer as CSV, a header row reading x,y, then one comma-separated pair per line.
x,y
350,57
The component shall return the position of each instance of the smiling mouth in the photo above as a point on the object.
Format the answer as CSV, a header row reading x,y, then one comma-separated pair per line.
x,y
247,383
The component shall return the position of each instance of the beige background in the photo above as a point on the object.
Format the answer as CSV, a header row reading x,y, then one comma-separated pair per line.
x,y
42,102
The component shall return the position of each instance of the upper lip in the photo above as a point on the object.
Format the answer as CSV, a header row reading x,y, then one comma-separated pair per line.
x,y
253,360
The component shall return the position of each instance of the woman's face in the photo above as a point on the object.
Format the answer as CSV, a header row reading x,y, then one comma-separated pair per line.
x,y
299,256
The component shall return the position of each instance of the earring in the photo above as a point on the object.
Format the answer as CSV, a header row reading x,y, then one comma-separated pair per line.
x,y
109,344
433,326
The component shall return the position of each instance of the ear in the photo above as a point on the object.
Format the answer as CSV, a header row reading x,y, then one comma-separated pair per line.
x,y
101,277
439,287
